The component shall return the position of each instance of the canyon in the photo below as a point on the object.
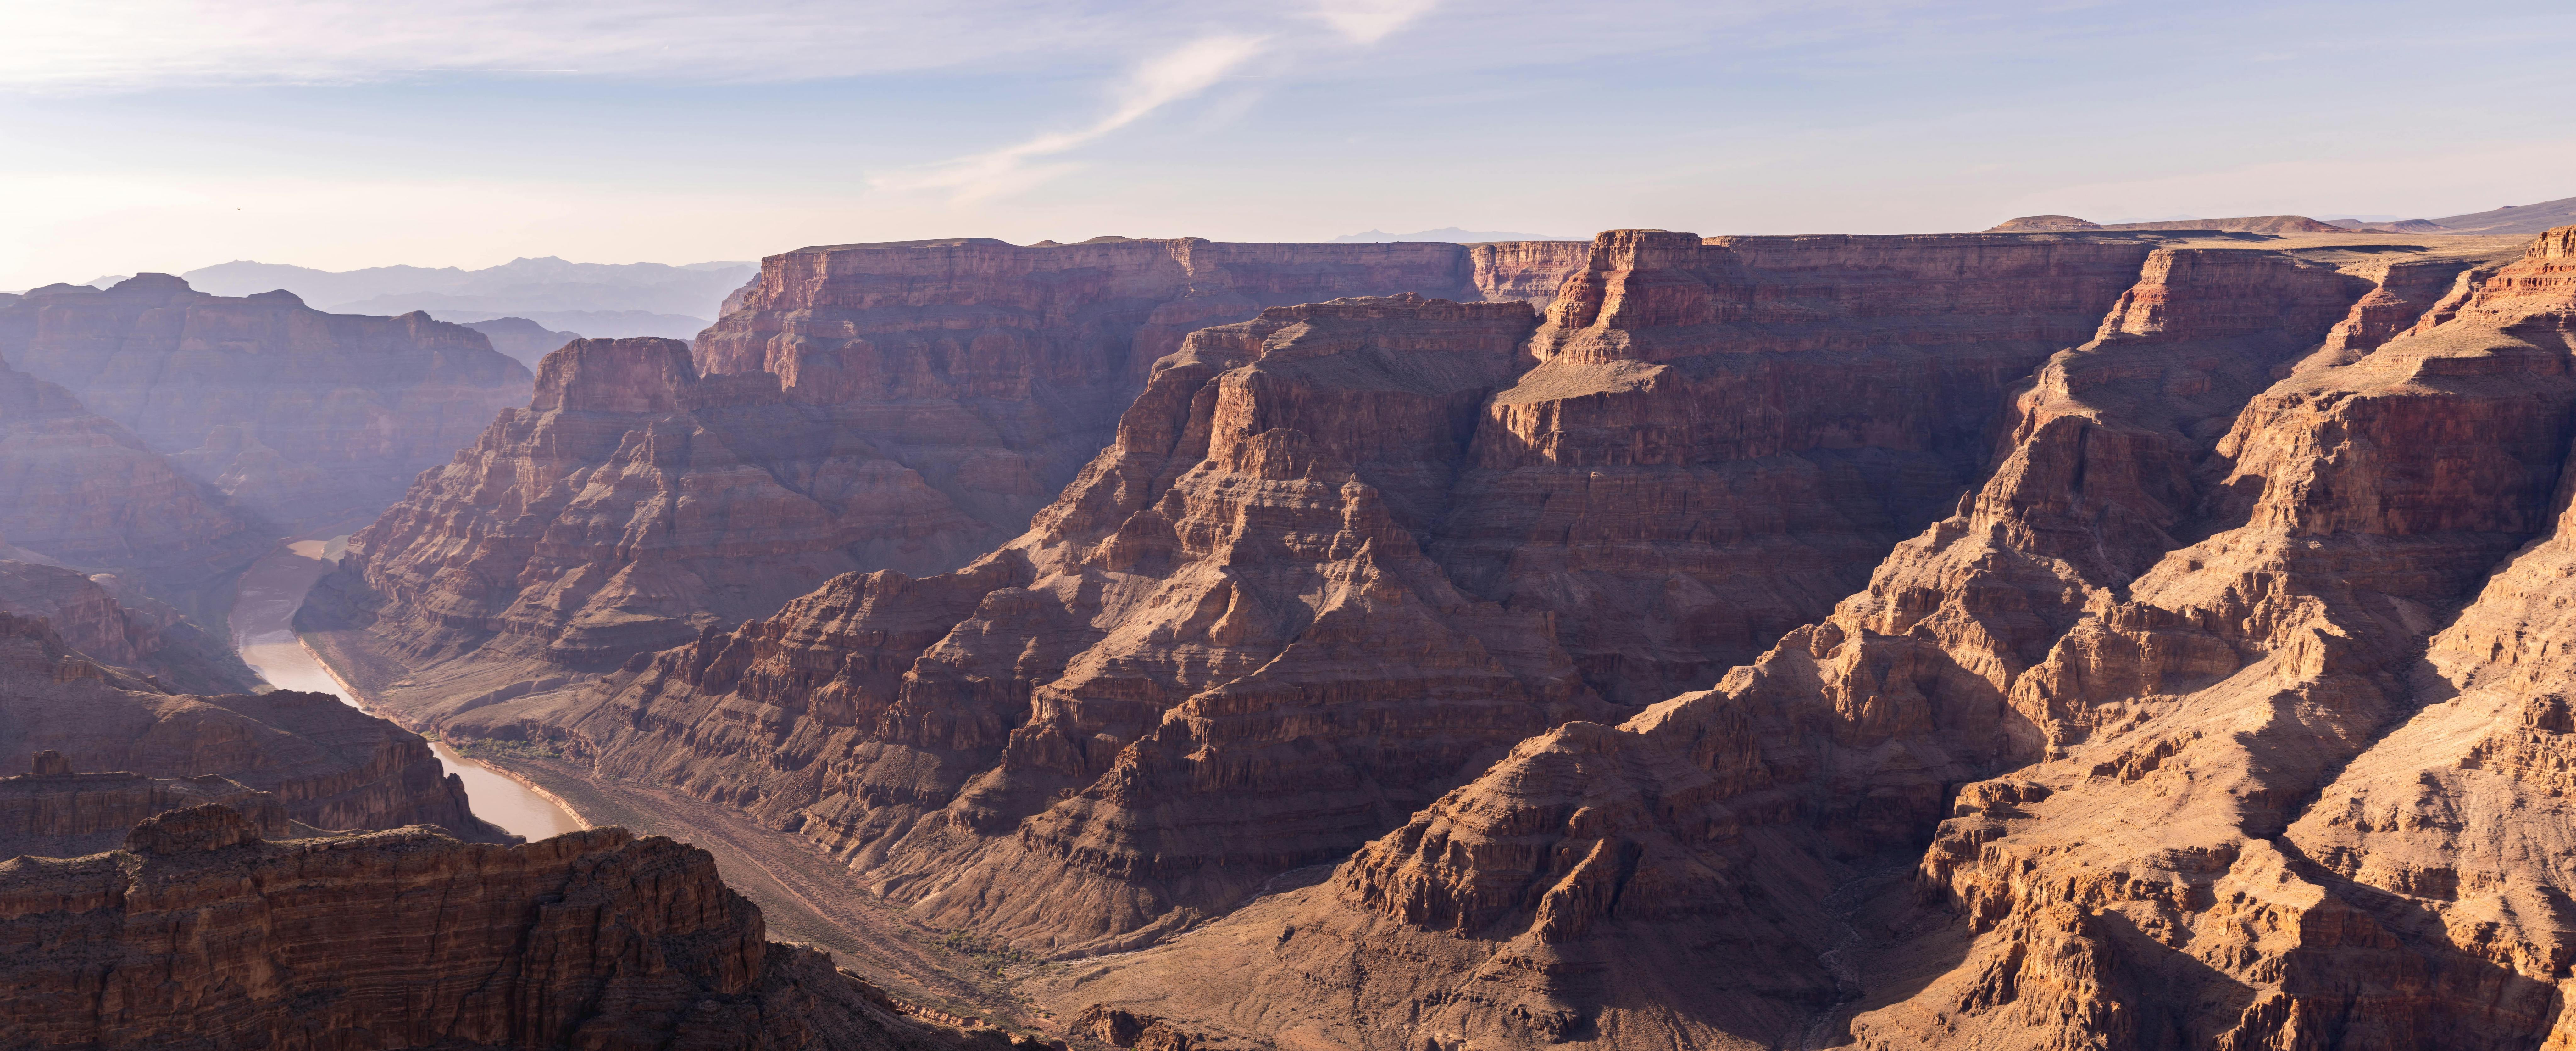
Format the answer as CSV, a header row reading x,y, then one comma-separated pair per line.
x,y
303,420
327,764
2056,636
902,406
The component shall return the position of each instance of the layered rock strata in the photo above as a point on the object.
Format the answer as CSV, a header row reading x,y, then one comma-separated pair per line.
x,y
860,407
2175,647
1342,556
201,933
128,630
308,419
330,765
56,813
83,490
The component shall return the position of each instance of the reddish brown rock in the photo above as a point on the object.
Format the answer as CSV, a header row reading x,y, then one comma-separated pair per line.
x,y
1529,271
331,765
902,406
1696,463
2177,604
632,504
84,491
137,632
201,934
56,813
1250,597
308,419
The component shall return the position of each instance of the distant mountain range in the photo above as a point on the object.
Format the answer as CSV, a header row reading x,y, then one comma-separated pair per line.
x,y
597,299
1449,233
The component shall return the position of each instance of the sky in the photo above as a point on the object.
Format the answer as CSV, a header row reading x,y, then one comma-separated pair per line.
x,y
172,134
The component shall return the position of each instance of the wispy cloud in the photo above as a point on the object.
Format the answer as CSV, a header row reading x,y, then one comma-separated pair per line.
x,y
1173,76
1188,70
76,45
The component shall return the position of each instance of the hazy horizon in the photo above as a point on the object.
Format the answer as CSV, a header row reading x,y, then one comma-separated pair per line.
x,y
155,135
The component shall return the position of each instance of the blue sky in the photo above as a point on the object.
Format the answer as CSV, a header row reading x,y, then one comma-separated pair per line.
x,y
168,134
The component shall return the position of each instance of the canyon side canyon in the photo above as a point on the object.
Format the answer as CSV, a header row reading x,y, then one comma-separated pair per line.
x,y
2051,637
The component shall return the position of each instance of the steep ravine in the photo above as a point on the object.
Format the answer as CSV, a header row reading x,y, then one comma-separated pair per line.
x,y
264,634
2193,594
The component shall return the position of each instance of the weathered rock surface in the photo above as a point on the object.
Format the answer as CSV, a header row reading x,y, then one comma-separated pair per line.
x,y
903,406
2176,646
54,812
308,419
1339,558
200,933
128,630
331,765
84,491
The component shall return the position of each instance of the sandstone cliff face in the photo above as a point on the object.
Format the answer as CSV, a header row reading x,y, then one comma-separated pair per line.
x,y
2183,599
130,630
331,765
201,934
85,491
862,407
306,418
1339,558
631,504
1529,271
1718,439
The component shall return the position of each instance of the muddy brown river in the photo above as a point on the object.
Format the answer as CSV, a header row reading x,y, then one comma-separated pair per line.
x,y
264,632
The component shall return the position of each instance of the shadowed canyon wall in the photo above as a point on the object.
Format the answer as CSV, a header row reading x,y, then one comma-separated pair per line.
x,y
82,490
309,420
200,933
330,765
900,406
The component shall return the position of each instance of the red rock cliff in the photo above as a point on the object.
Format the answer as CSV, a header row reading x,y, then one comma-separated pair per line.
x,y
1252,630
2177,607
902,406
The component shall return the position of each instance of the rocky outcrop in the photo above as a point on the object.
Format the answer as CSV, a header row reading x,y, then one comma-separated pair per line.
x,y
308,419
1339,558
330,765
1694,464
2042,224
903,406
57,813
130,630
2251,224
82,490
2164,646
201,933
632,504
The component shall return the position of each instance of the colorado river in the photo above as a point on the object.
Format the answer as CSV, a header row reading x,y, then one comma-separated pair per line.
x,y
264,632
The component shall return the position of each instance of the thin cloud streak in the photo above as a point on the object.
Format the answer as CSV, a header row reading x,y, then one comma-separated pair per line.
x,y
1193,68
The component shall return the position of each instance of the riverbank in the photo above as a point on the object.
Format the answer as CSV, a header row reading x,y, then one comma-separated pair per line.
x,y
262,626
